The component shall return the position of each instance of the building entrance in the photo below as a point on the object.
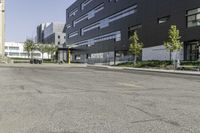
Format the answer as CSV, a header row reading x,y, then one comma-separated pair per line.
x,y
192,51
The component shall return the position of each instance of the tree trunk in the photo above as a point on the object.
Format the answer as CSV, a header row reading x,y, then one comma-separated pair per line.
x,y
175,59
170,55
48,55
52,57
28,55
42,57
114,57
135,60
31,54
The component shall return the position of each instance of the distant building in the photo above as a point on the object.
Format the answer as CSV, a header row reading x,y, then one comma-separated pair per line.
x,y
52,33
40,32
16,50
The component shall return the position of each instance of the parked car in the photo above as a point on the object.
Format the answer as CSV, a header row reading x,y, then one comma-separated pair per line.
x,y
36,61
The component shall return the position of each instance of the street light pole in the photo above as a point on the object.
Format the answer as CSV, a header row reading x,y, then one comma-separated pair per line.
x,y
114,52
115,57
199,51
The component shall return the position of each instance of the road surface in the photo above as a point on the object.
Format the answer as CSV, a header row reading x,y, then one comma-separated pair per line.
x,y
89,100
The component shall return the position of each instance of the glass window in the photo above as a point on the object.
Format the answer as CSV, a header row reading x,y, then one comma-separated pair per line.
x,y
89,15
132,29
163,19
84,4
13,54
106,21
37,54
68,26
73,13
77,57
111,36
13,48
73,34
193,18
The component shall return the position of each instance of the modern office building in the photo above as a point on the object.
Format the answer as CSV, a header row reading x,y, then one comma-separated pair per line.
x,y
2,26
99,30
16,50
40,32
53,33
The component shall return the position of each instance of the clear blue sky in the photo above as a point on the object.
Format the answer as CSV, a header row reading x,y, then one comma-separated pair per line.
x,y
23,16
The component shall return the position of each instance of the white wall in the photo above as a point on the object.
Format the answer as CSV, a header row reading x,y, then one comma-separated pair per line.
x,y
159,53
19,52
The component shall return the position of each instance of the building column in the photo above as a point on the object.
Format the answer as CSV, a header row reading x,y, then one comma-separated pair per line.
x,y
2,26
69,56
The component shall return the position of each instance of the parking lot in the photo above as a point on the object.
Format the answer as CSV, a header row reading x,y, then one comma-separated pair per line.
x,y
88,100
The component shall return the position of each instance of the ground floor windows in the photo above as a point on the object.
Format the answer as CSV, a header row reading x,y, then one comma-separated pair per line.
x,y
103,57
77,57
192,51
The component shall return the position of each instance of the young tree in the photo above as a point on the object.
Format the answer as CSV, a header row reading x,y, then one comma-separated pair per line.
x,y
135,46
29,46
48,49
54,49
174,43
42,49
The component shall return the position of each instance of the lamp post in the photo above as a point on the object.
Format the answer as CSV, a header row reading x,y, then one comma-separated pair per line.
x,y
115,55
199,51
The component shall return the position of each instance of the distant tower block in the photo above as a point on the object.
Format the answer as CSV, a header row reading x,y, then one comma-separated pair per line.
x,y
2,26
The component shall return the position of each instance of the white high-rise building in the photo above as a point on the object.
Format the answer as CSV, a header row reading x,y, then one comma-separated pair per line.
x,y
2,26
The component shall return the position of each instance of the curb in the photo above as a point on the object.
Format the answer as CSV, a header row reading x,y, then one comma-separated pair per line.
x,y
44,65
149,70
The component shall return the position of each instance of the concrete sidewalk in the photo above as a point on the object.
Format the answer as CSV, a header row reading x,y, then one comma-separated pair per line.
x,y
195,73
49,65
44,65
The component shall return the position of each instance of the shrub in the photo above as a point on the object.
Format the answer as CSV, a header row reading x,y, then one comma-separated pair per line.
x,y
190,63
146,64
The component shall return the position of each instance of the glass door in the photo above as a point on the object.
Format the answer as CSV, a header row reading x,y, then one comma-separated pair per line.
x,y
192,51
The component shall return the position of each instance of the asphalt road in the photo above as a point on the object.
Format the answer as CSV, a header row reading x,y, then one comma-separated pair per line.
x,y
89,100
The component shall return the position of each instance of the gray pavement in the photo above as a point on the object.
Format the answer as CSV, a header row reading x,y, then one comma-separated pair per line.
x,y
154,70
89,100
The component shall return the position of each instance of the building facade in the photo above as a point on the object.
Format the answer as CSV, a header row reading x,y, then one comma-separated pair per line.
x,y
99,30
2,26
40,32
53,33
16,50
